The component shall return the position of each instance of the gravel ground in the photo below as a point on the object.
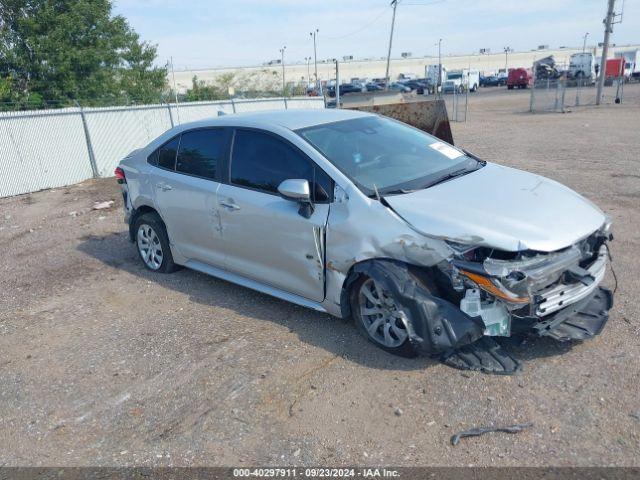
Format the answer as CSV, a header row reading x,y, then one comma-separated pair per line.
x,y
105,363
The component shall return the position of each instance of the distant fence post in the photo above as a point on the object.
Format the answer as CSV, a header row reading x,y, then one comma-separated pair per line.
x,y
92,157
233,105
532,97
286,107
170,114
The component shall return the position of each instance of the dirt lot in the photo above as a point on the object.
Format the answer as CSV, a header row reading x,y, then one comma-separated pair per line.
x,y
105,363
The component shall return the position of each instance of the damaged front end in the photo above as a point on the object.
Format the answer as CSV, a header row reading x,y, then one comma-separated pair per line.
x,y
556,294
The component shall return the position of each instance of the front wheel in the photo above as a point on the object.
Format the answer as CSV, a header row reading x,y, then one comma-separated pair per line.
x,y
379,318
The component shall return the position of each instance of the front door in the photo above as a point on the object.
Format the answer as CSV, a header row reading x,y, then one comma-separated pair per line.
x,y
265,238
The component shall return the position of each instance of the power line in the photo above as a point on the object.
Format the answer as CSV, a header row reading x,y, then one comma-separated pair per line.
x,y
378,17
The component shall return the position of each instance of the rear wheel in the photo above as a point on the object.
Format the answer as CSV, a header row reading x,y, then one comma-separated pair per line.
x,y
152,243
379,317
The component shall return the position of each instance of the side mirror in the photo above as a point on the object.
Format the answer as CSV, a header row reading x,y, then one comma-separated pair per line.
x,y
298,190
295,189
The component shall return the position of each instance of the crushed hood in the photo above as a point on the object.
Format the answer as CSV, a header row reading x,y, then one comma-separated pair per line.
x,y
503,208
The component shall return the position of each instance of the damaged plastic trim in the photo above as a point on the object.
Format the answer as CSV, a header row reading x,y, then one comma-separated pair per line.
x,y
433,324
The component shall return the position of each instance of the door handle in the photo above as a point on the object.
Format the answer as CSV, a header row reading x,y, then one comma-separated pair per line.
x,y
164,187
230,205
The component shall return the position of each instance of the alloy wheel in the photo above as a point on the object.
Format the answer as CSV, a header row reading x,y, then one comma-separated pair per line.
x,y
380,315
150,247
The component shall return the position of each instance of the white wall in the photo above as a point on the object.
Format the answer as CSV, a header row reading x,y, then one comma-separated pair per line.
x,y
376,68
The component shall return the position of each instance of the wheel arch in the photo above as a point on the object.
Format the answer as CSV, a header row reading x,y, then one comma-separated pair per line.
x,y
140,210
435,323
426,275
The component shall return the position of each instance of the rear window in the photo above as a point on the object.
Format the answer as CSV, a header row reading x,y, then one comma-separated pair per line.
x,y
167,154
201,151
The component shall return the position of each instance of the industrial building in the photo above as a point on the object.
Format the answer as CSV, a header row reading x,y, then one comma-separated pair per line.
x,y
487,63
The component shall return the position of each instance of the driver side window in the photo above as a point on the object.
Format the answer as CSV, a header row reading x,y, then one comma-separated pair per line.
x,y
261,161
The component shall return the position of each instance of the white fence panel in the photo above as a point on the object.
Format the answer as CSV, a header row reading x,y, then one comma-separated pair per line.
x,y
194,111
305,102
115,132
42,150
251,105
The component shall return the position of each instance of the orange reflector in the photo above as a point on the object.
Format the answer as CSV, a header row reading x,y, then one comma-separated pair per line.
x,y
490,287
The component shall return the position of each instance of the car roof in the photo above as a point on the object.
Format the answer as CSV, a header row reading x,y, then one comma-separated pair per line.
x,y
293,119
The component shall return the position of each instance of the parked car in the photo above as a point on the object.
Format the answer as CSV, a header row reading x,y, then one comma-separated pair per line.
x,y
358,215
452,86
491,81
518,78
374,87
344,89
416,85
399,87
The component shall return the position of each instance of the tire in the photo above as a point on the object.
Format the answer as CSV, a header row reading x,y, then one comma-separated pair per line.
x,y
400,347
150,232
509,87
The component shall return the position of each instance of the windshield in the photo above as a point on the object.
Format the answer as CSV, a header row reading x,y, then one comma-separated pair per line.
x,y
381,154
454,76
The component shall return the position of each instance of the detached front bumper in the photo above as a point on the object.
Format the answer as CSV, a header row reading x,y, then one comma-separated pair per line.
x,y
581,320
557,297
577,310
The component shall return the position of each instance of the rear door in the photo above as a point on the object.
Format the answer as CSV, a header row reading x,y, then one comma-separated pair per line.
x,y
265,238
186,183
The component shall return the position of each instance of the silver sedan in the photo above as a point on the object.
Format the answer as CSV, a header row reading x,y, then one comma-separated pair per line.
x,y
430,249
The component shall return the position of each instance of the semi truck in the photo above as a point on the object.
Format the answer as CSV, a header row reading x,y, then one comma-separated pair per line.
x,y
518,78
582,66
460,81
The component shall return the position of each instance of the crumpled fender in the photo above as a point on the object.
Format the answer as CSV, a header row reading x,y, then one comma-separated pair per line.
x,y
434,325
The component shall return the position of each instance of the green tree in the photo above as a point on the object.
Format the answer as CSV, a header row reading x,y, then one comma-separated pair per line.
x,y
200,90
75,50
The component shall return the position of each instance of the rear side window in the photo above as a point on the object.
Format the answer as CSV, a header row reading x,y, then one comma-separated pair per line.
x,y
261,161
167,154
201,151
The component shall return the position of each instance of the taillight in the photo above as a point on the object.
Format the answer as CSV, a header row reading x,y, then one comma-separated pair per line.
x,y
120,175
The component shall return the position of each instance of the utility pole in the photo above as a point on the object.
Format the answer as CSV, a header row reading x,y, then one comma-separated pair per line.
x,y
337,85
315,61
584,42
394,4
608,28
506,59
439,81
282,62
308,59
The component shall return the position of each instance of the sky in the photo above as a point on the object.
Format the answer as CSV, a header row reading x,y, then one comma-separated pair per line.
x,y
217,33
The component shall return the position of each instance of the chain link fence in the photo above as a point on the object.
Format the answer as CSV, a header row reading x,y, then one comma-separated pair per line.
x,y
53,148
457,105
556,95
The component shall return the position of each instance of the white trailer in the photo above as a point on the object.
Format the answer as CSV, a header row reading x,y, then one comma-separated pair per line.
x,y
582,65
631,63
431,74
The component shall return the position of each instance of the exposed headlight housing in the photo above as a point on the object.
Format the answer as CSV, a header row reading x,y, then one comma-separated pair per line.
x,y
495,288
